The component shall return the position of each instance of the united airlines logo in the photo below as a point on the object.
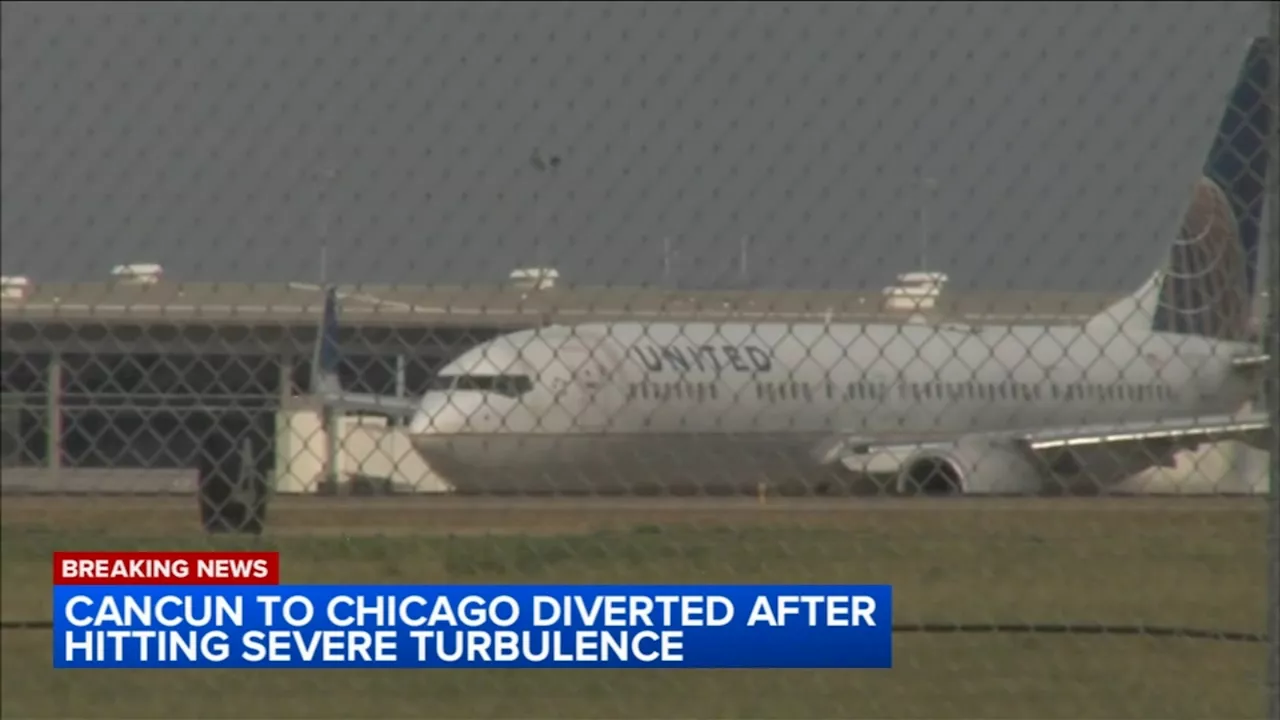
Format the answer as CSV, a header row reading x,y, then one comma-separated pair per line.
x,y
704,358
1204,289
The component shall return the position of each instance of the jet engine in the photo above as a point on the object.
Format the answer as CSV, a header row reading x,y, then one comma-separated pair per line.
x,y
973,466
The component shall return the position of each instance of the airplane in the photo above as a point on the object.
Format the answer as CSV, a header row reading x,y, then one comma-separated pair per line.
x,y
741,407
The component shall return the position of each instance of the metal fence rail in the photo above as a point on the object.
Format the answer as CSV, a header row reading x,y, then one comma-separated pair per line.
x,y
975,299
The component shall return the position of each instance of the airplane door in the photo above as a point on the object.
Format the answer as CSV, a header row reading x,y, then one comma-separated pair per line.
x,y
595,395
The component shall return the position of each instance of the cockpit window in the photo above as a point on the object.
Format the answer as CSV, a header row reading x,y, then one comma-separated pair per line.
x,y
508,385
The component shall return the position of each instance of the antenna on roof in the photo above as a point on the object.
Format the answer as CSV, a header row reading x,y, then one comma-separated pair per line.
x,y
324,264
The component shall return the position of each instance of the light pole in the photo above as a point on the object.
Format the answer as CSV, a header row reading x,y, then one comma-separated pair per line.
x,y
324,177
927,187
666,260
546,167
331,417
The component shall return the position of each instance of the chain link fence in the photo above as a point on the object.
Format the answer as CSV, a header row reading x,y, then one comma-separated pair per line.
x,y
970,298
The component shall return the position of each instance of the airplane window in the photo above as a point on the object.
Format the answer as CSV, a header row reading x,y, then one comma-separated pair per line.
x,y
808,392
679,393
508,385
631,392
712,388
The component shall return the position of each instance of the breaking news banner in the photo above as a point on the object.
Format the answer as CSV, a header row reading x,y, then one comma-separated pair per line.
x,y
228,610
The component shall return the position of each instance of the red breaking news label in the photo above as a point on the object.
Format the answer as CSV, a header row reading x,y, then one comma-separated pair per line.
x,y
166,568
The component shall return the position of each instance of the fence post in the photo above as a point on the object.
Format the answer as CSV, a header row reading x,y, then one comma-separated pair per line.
x,y
1272,334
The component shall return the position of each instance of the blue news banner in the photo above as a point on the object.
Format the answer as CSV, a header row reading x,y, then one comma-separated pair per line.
x,y
519,626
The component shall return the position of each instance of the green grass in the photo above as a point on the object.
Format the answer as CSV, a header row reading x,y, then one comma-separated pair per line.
x,y
1186,564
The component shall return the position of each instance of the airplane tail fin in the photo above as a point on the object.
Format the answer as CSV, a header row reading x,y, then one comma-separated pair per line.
x,y
1206,287
324,364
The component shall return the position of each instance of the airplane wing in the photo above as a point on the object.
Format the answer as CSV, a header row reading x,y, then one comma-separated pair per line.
x,y
1251,362
871,454
362,402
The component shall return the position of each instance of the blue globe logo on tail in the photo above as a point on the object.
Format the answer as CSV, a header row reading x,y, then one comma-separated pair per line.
x,y
1208,284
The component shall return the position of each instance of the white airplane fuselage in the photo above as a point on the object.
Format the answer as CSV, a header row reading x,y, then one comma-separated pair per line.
x,y
723,408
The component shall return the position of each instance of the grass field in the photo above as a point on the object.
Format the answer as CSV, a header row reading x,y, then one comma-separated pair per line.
x,y
1197,563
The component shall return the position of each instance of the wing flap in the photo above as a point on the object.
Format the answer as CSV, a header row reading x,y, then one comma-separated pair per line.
x,y
361,402
1247,427
860,453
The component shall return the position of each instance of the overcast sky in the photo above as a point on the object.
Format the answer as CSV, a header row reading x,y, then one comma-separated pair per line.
x,y
1063,138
